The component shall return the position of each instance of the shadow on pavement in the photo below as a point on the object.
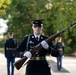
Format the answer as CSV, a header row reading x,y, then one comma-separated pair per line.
x,y
54,67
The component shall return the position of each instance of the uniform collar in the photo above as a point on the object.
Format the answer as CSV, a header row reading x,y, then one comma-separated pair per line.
x,y
40,36
37,36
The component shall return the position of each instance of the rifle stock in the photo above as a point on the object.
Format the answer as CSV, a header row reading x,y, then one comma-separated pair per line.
x,y
18,64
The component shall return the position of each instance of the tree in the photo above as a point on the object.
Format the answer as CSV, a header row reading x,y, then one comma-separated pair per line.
x,y
3,6
57,14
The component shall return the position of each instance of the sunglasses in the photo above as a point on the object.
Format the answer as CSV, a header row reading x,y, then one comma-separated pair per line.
x,y
37,26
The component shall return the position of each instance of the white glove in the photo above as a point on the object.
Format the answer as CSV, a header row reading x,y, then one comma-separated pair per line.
x,y
44,45
27,54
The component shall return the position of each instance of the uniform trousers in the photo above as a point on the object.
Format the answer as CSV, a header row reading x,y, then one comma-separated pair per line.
x,y
10,66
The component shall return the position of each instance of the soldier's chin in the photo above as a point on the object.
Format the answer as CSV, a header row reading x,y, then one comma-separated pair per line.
x,y
38,33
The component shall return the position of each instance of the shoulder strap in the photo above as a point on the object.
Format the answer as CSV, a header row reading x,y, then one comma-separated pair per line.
x,y
27,43
14,41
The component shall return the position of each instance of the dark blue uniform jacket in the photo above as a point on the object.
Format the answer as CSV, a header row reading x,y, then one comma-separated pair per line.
x,y
36,67
10,46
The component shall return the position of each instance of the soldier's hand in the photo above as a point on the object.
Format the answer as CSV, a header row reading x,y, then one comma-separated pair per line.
x,y
27,54
44,45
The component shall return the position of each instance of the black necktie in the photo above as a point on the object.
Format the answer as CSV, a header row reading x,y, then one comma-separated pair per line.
x,y
37,38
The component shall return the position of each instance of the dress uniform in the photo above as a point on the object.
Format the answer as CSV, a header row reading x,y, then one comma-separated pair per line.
x,y
37,65
10,46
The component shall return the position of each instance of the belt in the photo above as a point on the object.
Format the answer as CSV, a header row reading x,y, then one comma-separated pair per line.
x,y
60,48
37,58
10,48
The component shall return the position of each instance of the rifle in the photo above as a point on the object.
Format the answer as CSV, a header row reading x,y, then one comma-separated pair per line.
x,y
18,64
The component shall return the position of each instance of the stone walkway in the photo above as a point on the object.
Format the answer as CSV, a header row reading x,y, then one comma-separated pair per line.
x,y
3,68
69,66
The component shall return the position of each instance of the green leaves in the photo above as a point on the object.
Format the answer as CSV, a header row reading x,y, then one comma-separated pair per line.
x,y
57,14
3,6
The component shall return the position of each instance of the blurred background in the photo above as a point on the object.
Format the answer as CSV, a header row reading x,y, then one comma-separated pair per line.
x,y
16,15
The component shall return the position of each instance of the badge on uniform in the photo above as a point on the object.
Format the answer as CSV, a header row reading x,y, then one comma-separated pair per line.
x,y
41,37
32,36
31,42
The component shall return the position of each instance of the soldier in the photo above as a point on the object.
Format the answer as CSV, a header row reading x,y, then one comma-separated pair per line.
x,y
10,46
37,65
